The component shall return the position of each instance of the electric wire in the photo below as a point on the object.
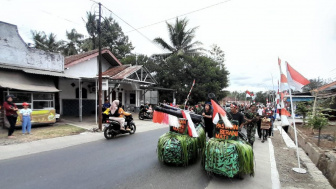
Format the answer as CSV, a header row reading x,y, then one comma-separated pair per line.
x,y
191,12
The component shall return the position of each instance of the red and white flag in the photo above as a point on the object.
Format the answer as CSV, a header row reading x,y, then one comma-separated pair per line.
x,y
248,94
295,79
218,112
191,127
283,78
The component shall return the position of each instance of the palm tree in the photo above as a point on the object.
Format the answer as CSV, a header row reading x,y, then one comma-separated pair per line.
x,y
46,42
72,46
181,40
92,28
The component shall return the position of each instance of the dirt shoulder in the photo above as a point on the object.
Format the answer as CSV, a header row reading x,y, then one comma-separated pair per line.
x,y
39,133
286,160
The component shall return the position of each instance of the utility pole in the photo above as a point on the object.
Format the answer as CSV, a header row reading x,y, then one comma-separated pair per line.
x,y
99,72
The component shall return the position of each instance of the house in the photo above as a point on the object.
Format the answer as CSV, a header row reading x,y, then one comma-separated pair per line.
x,y
48,81
121,82
30,74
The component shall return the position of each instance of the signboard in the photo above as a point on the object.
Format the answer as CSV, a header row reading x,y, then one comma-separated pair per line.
x,y
226,133
182,129
40,117
105,84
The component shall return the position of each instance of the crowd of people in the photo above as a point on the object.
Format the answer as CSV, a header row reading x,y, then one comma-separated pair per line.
x,y
249,117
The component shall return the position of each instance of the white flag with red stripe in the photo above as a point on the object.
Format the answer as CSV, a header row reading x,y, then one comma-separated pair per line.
x,y
248,94
283,78
295,79
191,127
218,112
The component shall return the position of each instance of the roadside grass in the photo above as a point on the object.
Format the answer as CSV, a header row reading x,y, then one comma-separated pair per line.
x,y
39,133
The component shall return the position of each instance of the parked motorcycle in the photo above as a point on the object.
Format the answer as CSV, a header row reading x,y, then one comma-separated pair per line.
x,y
143,114
112,127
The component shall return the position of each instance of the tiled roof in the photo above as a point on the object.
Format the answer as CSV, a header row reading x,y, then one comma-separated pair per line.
x,y
78,58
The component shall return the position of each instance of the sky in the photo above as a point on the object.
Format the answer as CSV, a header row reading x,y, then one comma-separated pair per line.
x,y
252,33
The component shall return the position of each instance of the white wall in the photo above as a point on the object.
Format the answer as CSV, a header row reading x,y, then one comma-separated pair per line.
x,y
69,92
86,69
105,65
14,52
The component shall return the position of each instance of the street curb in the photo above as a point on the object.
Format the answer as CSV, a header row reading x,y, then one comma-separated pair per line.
x,y
274,171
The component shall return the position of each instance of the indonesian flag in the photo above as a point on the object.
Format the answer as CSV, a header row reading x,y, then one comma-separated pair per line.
x,y
191,127
295,79
283,78
218,112
252,95
248,94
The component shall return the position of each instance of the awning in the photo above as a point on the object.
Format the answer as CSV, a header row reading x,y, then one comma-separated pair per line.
x,y
21,81
301,99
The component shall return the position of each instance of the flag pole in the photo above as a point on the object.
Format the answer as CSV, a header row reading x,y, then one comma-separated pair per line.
x,y
296,169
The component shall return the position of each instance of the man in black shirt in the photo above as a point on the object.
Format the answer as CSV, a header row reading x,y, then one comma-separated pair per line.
x,y
235,115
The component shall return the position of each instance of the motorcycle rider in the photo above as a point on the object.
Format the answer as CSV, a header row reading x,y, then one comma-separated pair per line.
x,y
147,109
118,114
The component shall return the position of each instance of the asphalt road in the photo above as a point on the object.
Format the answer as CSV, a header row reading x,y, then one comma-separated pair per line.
x,y
123,162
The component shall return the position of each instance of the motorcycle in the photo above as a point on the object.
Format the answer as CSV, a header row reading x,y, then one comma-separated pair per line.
x,y
112,127
143,114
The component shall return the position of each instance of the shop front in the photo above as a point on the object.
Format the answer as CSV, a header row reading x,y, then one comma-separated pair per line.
x,y
37,90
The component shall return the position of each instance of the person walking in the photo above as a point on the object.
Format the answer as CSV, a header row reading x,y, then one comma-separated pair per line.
x,y
11,114
260,112
251,124
26,118
207,116
234,114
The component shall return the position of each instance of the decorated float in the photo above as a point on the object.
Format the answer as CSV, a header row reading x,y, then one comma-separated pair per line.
x,y
185,140
228,153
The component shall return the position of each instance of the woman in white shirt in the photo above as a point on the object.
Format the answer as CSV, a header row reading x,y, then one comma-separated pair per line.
x,y
26,117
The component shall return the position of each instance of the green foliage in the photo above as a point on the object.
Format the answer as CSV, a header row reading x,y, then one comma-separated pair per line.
x,y
217,54
141,59
181,40
112,36
314,84
179,149
46,42
72,46
318,121
303,108
179,73
228,157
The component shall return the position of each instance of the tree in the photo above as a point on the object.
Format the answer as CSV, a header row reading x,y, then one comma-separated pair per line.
x,y
150,63
318,121
46,42
72,46
314,84
112,36
303,108
218,55
181,40
261,97
177,73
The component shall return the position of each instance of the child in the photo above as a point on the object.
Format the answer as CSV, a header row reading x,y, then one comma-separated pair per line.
x,y
26,117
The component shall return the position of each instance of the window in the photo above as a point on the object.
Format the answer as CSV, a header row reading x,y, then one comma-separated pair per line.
x,y
84,93
35,100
